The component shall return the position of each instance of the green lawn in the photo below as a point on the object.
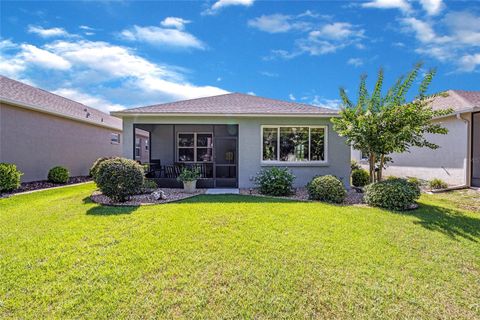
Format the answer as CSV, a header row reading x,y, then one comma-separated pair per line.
x,y
62,256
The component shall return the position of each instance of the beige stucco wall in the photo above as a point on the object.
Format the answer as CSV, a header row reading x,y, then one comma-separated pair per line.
x,y
449,162
36,142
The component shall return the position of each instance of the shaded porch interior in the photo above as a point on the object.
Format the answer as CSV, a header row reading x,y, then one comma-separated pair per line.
x,y
211,149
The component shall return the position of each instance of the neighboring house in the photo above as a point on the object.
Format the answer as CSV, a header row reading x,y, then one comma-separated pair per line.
x,y
231,137
457,161
40,130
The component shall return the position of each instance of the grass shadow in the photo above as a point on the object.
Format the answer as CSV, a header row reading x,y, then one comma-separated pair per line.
x,y
101,210
450,222
234,198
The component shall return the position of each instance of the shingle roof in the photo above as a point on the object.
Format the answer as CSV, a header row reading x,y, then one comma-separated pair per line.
x,y
231,104
458,100
18,93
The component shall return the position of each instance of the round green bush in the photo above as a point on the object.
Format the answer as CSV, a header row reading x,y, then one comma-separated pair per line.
x,y
9,177
394,194
327,188
360,177
58,175
94,169
120,178
275,181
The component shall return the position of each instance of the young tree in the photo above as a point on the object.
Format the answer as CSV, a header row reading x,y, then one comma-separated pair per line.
x,y
380,125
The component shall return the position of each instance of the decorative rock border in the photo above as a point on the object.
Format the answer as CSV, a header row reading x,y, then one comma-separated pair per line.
x,y
146,198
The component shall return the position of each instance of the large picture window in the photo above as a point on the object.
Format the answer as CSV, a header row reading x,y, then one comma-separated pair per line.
x,y
294,143
195,147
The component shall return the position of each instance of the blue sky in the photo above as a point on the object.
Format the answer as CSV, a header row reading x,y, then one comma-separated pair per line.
x,y
113,55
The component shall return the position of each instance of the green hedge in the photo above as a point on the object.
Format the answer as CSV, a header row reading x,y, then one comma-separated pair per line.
x,y
120,178
9,177
58,174
395,194
360,177
327,188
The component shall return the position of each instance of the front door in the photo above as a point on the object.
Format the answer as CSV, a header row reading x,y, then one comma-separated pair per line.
x,y
476,149
226,162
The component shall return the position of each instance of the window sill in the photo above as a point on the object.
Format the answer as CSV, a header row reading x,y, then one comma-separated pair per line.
x,y
111,142
294,164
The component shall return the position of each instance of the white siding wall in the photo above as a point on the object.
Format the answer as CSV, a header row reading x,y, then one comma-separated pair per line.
x,y
449,162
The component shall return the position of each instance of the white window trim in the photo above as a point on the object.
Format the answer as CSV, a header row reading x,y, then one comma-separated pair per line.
x,y
194,147
294,163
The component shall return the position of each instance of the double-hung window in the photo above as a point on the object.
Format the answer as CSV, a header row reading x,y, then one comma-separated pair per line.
x,y
115,138
294,144
137,147
195,147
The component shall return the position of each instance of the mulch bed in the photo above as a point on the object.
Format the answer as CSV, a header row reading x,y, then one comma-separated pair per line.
x,y
301,194
147,198
38,185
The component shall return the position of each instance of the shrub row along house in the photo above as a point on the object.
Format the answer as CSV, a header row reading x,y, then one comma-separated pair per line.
x,y
40,130
457,160
231,137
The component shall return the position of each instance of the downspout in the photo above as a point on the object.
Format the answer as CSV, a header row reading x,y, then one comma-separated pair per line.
x,y
468,151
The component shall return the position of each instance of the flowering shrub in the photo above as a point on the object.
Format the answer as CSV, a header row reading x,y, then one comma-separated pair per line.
x,y
275,181
393,194
326,188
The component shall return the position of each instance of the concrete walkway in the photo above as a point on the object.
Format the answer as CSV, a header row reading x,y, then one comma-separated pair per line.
x,y
223,191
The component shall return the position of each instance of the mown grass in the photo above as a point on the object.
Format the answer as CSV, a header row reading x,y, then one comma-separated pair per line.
x,y
62,256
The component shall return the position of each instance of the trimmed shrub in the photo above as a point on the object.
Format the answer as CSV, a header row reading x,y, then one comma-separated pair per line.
x,y
437,184
120,178
360,177
275,181
394,194
9,177
327,188
94,169
58,174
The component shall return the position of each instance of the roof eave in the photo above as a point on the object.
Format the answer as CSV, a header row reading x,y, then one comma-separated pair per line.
x,y
59,114
238,115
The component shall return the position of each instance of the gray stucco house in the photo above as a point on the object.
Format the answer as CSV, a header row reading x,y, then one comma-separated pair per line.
x,y
40,130
231,137
457,161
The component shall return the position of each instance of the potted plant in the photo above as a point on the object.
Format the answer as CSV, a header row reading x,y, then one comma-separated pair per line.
x,y
189,178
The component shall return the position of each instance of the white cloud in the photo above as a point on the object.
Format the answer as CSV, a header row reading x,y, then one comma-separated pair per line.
x,y
432,7
251,93
469,63
83,27
356,62
118,76
337,30
89,100
277,23
388,4
174,22
292,97
269,74
220,4
48,33
174,38
325,103
458,44
43,58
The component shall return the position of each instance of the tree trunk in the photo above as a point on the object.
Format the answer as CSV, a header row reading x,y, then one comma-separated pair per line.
x,y
380,168
371,159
